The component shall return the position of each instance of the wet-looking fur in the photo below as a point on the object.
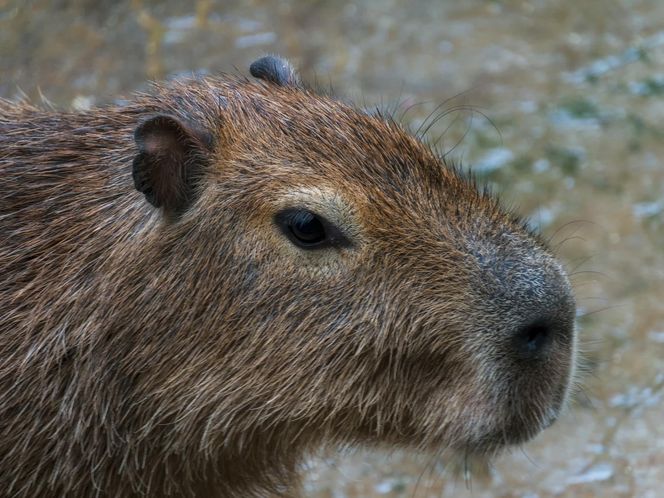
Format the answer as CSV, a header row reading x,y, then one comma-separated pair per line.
x,y
180,317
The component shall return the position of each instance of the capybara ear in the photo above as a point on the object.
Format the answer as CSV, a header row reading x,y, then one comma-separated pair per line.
x,y
276,70
169,164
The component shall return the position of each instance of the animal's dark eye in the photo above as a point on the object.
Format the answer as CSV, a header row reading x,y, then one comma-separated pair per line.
x,y
309,230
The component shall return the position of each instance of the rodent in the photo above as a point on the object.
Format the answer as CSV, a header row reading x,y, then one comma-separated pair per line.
x,y
203,285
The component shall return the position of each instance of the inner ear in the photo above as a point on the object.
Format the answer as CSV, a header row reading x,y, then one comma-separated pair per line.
x,y
169,165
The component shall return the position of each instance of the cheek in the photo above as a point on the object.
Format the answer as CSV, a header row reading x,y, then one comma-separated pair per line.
x,y
282,262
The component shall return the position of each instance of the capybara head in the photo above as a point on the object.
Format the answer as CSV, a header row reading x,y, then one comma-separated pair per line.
x,y
274,269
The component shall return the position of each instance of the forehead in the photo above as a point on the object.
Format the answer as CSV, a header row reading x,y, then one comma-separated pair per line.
x,y
292,140
328,139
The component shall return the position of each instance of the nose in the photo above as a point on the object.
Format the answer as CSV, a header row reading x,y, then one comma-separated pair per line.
x,y
533,298
533,340
544,321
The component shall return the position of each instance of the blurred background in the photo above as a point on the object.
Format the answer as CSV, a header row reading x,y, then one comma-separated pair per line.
x,y
557,104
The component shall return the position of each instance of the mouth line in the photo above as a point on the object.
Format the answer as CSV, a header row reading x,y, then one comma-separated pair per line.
x,y
514,432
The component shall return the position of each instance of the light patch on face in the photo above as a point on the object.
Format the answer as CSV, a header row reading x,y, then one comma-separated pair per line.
x,y
326,202
329,204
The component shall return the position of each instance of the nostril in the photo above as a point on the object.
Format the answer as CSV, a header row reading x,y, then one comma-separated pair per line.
x,y
533,339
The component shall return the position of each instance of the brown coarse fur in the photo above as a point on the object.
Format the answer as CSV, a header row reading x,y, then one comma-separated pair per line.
x,y
179,343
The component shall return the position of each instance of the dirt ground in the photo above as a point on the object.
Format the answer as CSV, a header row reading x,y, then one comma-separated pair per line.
x,y
557,104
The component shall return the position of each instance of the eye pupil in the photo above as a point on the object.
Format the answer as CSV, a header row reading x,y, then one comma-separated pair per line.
x,y
307,228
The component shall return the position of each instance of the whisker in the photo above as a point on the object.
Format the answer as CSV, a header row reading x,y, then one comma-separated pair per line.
x,y
567,239
434,145
590,313
588,272
402,117
466,473
463,137
447,112
528,457
440,106
565,225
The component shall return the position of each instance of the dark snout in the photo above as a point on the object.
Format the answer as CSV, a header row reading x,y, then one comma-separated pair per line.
x,y
532,343
537,306
547,310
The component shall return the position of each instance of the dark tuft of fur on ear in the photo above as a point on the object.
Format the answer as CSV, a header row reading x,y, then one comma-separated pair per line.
x,y
275,70
171,156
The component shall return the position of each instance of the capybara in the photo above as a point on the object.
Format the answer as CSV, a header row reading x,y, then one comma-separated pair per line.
x,y
206,283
